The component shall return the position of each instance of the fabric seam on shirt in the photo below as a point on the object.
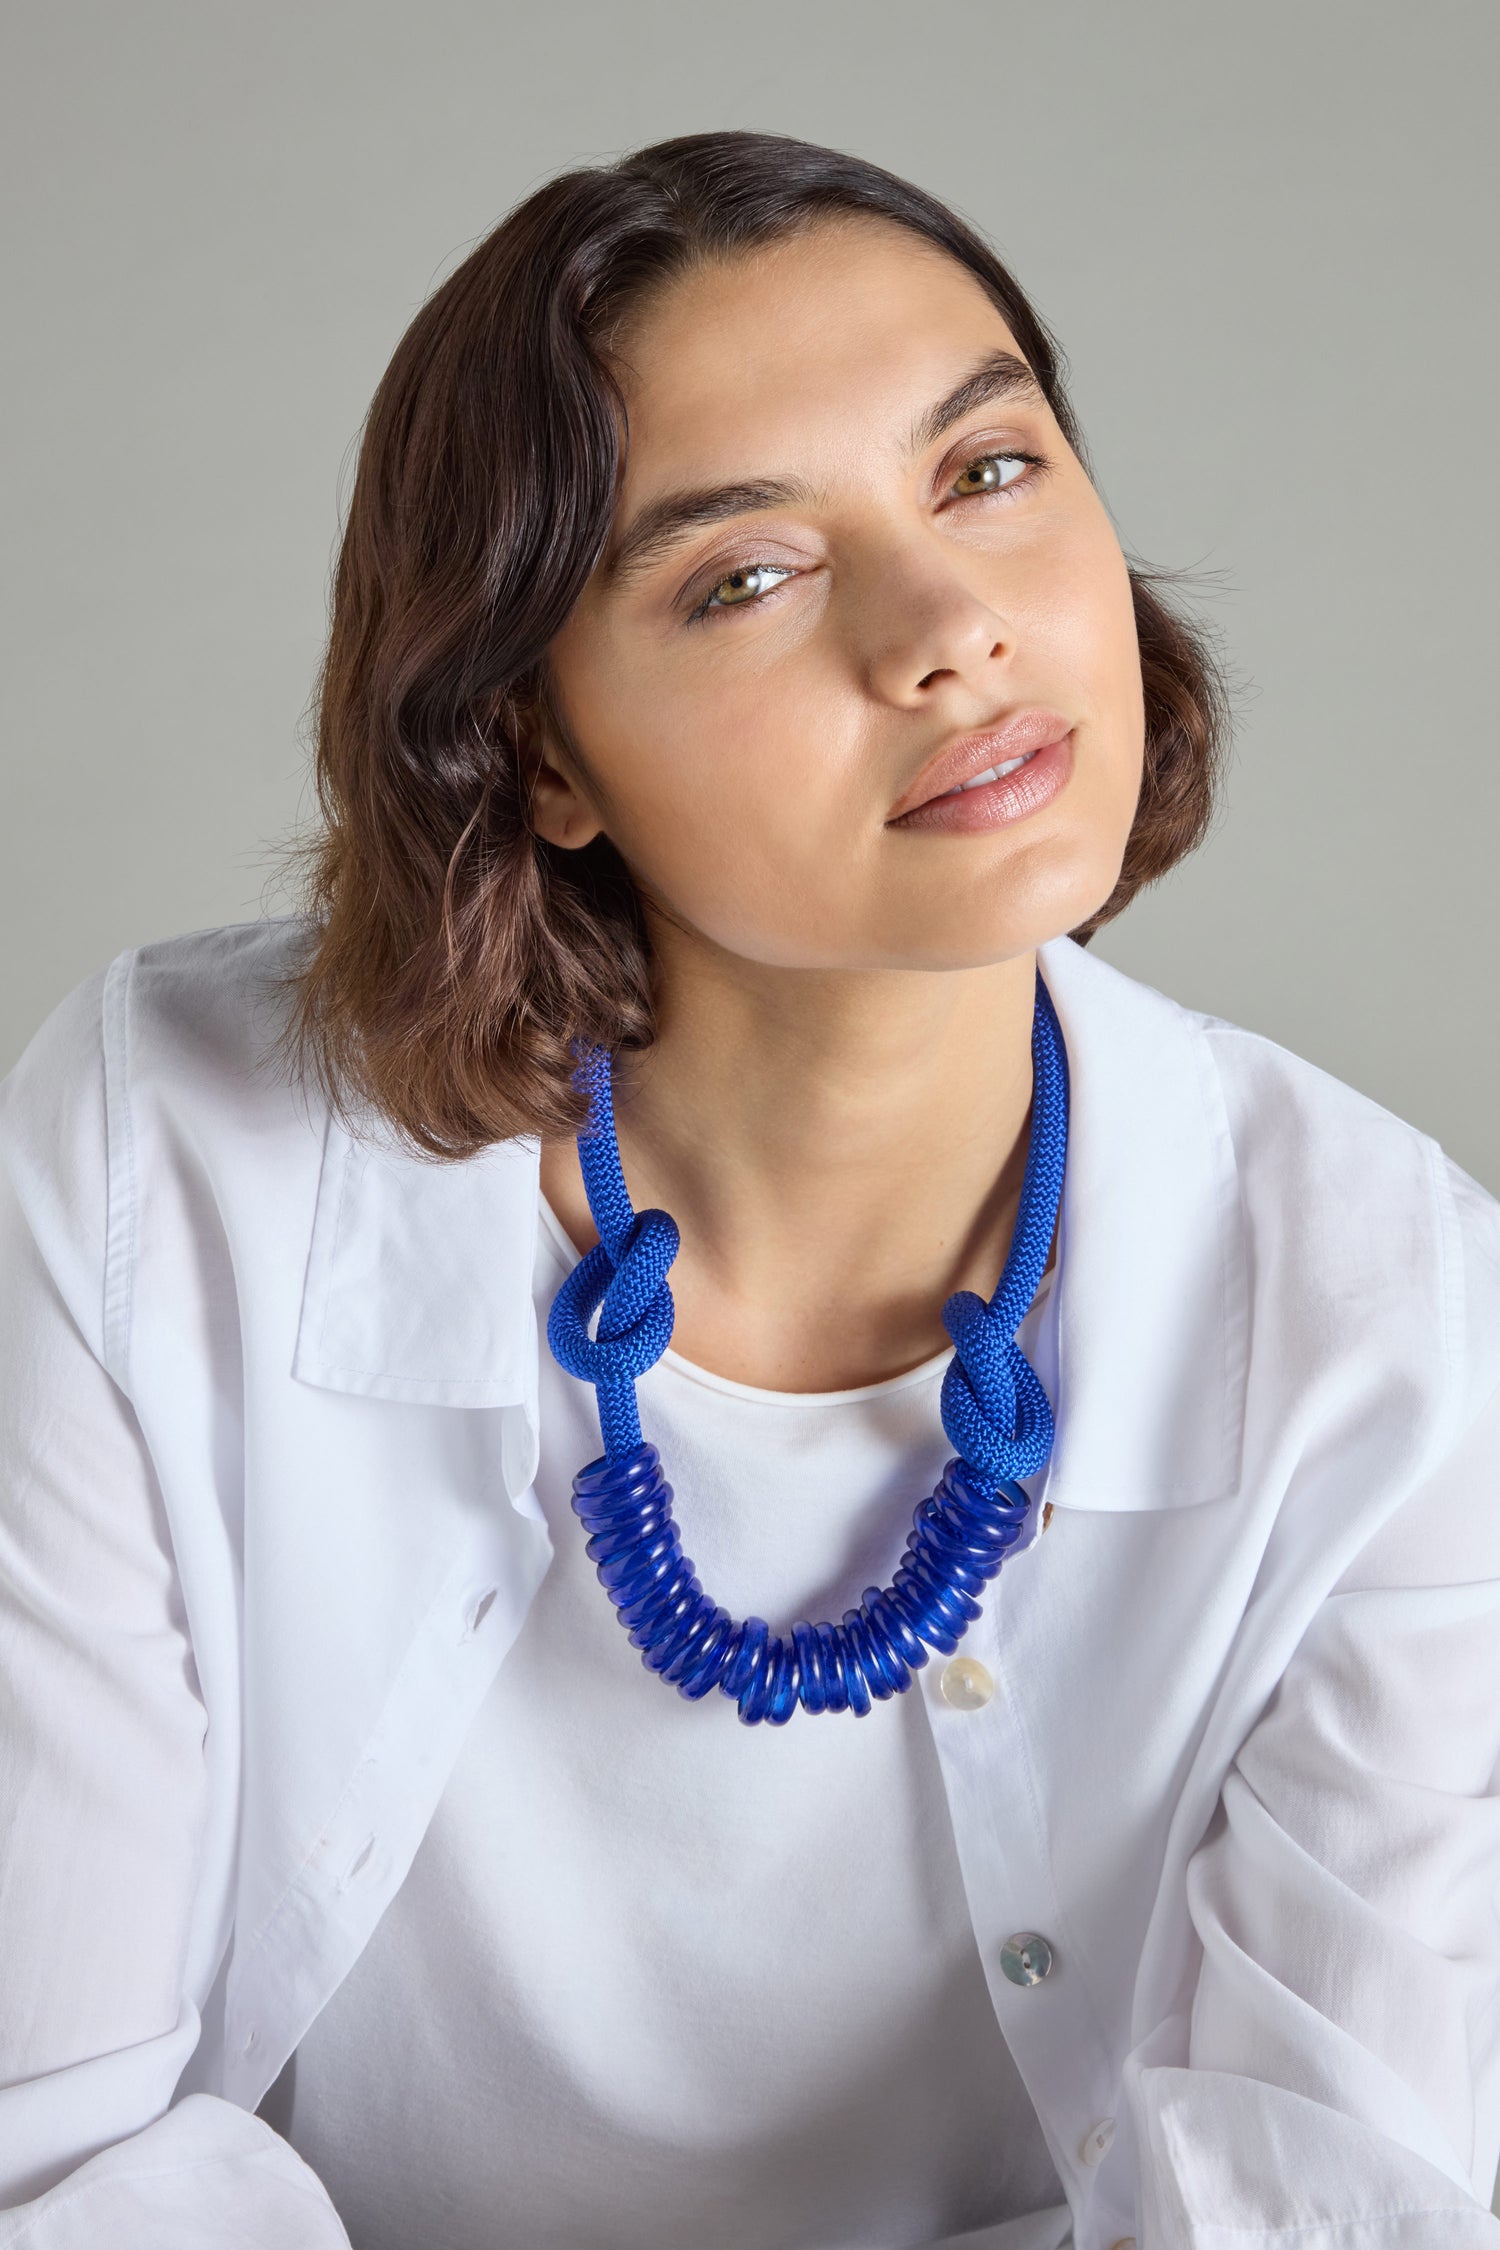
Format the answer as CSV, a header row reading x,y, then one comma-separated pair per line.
x,y
1235,1307
1211,2227
120,1183
1453,1289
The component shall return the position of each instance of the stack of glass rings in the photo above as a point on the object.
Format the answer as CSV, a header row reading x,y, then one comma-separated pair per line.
x,y
993,1406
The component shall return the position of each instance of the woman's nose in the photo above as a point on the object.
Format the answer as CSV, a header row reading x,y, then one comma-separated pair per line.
x,y
926,628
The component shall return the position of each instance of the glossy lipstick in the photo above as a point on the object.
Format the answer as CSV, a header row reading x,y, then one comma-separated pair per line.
x,y
1038,750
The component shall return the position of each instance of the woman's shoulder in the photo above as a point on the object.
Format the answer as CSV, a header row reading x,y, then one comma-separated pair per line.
x,y
1361,1211
158,1072
189,1019
1362,1241
1298,1126
1300,1139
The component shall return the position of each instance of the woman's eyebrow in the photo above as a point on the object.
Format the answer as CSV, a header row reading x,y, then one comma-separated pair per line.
x,y
665,520
1000,375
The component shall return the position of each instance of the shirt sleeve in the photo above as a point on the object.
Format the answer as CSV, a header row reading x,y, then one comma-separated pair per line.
x,y
1343,2079
101,1738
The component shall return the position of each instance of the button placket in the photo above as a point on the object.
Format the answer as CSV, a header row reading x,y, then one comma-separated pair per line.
x,y
1000,1830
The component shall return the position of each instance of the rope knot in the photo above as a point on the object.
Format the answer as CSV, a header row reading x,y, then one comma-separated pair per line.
x,y
632,1298
994,1408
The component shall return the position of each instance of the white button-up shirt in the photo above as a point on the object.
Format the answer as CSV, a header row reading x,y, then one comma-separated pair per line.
x,y
268,1431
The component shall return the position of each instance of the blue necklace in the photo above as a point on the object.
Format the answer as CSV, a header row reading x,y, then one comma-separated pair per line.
x,y
994,1411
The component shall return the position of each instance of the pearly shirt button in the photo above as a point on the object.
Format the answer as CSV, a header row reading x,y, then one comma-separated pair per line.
x,y
1026,1957
1094,2146
966,1684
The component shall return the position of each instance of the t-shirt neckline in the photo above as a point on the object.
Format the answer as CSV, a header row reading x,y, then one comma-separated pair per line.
x,y
927,1370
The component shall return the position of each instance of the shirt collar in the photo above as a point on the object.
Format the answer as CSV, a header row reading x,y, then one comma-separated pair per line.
x,y
419,1273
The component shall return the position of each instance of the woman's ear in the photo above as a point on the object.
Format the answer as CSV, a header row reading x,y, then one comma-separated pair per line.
x,y
559,811
559,808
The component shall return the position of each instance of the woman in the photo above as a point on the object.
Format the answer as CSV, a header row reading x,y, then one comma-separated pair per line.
x,y
738,715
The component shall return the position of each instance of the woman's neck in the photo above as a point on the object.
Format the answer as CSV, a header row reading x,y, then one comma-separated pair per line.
x,y
840,1152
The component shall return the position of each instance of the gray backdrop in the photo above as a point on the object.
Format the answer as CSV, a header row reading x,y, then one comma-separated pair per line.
x,y
1265,234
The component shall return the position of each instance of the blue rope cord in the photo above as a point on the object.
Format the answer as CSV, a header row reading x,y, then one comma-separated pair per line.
x,y
994,1411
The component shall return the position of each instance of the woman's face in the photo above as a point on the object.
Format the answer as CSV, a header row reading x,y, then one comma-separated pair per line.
x,y
851,543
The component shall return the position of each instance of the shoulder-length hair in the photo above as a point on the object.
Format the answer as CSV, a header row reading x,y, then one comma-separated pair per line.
x,y
453,956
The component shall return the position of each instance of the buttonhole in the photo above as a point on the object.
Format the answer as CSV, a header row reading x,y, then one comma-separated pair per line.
x,y
360,1861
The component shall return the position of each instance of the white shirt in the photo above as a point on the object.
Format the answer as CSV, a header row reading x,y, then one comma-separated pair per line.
x,y
269,1425
770,1923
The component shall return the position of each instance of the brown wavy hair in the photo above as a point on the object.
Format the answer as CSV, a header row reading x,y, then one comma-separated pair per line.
x,y
452,955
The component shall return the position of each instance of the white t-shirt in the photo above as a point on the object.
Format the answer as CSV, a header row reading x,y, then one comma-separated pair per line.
x,y
721,1986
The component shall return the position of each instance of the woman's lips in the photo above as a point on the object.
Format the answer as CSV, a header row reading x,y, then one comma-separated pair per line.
x,y
995,804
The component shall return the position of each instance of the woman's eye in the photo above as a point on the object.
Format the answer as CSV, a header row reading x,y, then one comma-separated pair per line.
x,y
992,472
741,586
